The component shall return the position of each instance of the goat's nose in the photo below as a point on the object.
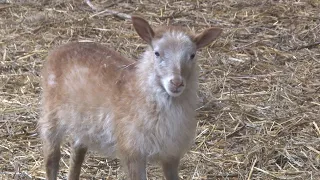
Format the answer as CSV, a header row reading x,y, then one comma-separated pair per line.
x,y
176,82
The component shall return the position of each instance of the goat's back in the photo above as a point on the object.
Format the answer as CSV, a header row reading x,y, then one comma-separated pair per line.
x,y
79,72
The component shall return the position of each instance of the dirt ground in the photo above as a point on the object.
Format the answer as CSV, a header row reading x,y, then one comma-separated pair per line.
x,y
259,84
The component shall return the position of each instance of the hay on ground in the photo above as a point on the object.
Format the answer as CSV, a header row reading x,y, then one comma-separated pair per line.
x,y
259,83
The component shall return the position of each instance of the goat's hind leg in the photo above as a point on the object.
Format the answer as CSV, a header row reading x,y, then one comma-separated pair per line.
x,y
51,138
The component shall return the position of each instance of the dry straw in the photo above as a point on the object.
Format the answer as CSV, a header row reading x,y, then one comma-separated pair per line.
x,y
259,85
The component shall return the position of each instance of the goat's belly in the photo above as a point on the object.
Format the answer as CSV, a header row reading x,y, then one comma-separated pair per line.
x,y
95,130
103,147
104,144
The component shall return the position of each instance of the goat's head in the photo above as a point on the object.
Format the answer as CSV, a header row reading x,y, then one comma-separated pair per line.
x,y
174,52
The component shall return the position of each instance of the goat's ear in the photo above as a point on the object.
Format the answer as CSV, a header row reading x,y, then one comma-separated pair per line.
x,y
143,28
207,36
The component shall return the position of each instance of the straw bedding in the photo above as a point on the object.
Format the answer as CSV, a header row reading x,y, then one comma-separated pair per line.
x,y
259,83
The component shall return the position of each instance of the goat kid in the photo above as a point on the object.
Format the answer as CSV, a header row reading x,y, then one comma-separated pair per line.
x,y
137,111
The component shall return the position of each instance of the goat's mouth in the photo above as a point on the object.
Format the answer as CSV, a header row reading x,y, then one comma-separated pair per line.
x,y
175,92
171,89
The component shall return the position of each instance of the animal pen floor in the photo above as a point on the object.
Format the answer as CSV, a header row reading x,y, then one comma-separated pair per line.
x,y
259,84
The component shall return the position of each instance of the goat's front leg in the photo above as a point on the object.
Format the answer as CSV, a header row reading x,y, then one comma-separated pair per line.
x,y
136,167
170,168
76,159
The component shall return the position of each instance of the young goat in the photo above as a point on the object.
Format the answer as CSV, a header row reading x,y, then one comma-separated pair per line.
x,y
136,111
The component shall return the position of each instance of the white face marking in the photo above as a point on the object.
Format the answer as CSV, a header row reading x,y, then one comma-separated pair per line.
x,y
173,61
51,80
172,90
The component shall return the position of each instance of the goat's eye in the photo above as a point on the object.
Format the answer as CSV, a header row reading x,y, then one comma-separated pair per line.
x,y
157,54
192,56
